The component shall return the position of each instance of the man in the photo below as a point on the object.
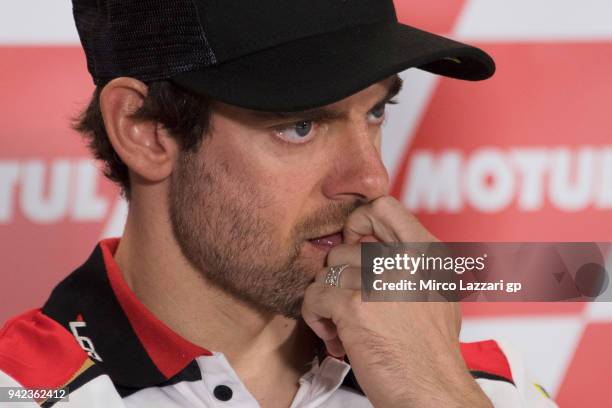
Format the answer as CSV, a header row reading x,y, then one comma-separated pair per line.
x,y
247,138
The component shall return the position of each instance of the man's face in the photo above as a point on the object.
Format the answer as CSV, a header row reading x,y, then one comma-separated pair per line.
x,y
257,208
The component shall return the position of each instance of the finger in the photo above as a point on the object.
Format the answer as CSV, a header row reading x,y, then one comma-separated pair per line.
x,y
387,220
363,222
350,278
334,347
319,310
325,302
325,329
345,254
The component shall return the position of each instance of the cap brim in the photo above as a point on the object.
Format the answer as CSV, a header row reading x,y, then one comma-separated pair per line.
x,y
324,69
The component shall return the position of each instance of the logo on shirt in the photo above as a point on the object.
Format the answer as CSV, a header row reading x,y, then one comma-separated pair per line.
x,y
85,342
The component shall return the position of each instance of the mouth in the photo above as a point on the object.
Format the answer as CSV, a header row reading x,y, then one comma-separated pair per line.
x,y
327,242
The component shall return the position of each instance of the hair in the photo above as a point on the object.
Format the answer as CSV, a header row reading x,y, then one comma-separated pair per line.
x,y
184,115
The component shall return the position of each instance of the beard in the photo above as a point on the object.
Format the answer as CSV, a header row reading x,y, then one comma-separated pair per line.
x,y
226,229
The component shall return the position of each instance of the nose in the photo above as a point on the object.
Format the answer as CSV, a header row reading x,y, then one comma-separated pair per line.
x,y
358,171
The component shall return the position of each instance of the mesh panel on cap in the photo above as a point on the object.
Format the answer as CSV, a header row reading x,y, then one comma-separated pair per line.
x,y
144,39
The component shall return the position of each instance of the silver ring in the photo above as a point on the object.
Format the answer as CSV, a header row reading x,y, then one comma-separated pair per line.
x,y
333,275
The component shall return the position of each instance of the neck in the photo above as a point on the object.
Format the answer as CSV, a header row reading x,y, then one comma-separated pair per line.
x,y
257,344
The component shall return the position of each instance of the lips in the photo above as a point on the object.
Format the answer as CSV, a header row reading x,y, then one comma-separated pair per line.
x,y
327,242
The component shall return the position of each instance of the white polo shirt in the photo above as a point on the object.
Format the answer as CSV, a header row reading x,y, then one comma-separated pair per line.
x,y
96,338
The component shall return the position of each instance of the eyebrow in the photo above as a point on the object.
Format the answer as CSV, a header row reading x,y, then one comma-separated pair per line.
x,y
328,114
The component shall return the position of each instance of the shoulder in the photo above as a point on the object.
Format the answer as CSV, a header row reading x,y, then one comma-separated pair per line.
x,y
498,369
486,359
36,351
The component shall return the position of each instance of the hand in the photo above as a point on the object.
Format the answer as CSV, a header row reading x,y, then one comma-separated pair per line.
x,y
403,354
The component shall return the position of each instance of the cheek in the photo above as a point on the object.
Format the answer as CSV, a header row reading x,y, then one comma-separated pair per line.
x,y
280,182
289,196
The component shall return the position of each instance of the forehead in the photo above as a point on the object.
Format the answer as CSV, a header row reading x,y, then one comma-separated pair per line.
x,y
369,97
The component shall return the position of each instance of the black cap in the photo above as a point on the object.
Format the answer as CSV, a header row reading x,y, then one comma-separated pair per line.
x,y
272,55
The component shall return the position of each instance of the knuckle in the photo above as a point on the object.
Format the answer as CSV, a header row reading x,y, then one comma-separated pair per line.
x,y
383,204
357,307
344,254
351,316
311,292
348,279
335,255
320,276
357,216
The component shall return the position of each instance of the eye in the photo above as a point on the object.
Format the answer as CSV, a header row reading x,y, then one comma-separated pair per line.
x,y
299,132
377,115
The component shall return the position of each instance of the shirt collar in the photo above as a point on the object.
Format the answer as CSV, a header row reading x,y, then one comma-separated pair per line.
x,y
135,348
169,351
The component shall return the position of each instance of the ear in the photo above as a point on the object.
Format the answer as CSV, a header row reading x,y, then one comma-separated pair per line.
x,y
144,146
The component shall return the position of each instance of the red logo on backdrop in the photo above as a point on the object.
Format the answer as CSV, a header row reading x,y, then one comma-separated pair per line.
x,y
530,161
53,201
526,156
